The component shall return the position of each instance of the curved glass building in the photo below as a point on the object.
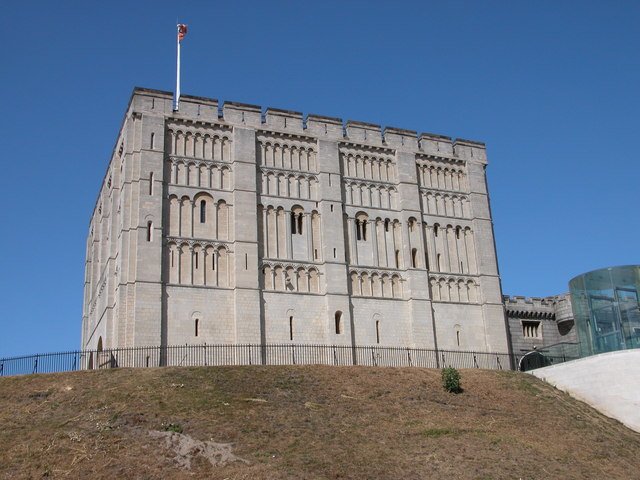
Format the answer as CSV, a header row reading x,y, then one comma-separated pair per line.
x,y
606,309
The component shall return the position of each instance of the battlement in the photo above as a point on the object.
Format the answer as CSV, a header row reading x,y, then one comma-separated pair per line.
x,y
295,122
521,300
557,307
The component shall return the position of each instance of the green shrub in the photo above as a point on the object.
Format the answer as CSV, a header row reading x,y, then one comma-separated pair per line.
x,y
451,380
172,427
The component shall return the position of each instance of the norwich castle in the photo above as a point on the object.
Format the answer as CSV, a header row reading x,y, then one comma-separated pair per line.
x,y
232,224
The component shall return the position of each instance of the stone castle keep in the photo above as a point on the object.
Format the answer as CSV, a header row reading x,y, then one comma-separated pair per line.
x,y
230,225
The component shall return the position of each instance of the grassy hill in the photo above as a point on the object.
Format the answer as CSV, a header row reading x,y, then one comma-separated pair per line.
x,y
303,422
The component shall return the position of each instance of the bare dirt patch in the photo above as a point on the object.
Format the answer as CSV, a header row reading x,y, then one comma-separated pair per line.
x,y
187,448
303,422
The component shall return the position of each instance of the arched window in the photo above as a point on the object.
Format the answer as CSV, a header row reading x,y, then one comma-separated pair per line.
x,y
297,214
361,226
338,322
435,230
386,225
203,211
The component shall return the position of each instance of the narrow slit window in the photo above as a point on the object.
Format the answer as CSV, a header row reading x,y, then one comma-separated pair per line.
x,y
151,183
197,324
414,257
203,211
196,259
153,141
299,224
149,231
338,322
334,253
377,331
290,328
397,258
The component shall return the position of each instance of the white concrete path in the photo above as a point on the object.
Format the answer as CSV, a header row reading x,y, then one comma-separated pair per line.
x,y
609,382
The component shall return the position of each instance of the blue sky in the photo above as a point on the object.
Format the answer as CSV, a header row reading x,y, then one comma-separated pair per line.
x,y
551,87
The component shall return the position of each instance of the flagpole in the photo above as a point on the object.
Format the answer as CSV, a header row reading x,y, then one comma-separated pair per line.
x,y
176,100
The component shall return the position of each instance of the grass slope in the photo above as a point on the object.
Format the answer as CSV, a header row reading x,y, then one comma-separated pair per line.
x,y
303,422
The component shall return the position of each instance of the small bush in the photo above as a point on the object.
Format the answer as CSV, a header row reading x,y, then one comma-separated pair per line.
x,y
172,427
451,380
437,432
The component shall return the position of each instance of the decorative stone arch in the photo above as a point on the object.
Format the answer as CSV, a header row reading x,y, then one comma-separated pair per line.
x,y
314,281
225,178
290,279
223,266
279,280
355,283
303,279
396,286
222,220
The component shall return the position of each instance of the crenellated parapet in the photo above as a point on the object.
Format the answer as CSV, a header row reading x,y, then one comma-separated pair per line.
x,y
557,308
295,122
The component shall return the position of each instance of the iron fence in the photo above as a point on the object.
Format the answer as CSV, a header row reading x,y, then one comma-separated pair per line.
x,y
253,354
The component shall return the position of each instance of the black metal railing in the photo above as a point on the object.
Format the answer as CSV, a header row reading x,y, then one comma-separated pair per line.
x,y
548,355
252,354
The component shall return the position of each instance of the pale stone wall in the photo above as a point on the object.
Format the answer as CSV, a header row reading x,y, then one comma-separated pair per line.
x,y
277,228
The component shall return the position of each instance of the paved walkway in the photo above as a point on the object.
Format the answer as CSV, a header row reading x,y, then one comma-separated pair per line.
x,y
609,382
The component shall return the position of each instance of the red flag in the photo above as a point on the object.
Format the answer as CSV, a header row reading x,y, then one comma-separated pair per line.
x,y
182,31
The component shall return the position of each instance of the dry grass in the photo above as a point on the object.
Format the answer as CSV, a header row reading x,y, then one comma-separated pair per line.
x,y
304,422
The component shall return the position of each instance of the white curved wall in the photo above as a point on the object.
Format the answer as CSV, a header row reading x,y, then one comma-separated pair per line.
x,y
609,382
